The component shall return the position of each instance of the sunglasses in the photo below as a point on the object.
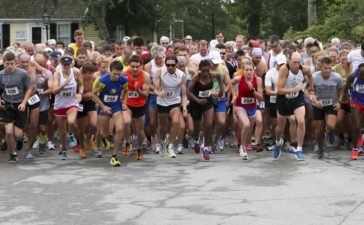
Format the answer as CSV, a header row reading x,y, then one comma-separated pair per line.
x,y
170,65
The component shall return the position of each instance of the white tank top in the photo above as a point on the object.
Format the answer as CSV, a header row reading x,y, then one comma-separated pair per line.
x,y
292,81
153,71
67,97
171,85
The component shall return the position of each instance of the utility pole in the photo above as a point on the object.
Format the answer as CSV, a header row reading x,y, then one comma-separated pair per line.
x,y
212,25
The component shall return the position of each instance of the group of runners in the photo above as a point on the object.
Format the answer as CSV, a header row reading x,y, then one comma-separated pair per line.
x,y
181,94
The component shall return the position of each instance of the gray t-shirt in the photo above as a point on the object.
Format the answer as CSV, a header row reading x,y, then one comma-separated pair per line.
x,y
327,90
14,85
42,85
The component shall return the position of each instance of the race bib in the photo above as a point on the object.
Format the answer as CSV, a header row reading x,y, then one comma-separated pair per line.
x,y
33,99
262,105
66,93
292,95
133,94
326,102
169,93
80,108
359,88
110,98
204,94
273,99
12,91
246,101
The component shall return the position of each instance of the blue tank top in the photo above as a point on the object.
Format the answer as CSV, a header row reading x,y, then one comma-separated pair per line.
x,y
110,91
357,89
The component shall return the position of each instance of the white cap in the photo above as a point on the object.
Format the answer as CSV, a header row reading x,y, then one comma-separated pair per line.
x,y
126,38
281,59
215,57
51,42
213,43
257,52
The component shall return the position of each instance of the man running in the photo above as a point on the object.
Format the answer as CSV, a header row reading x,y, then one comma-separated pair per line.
x,y
109,92
293,77
15,88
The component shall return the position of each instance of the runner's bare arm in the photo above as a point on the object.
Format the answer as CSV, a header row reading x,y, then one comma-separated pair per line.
x,y
259,93
157,83
146,84
344,90
190,89
184,95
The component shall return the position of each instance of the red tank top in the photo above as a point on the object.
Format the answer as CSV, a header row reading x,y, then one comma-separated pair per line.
x,y
245,96
134,99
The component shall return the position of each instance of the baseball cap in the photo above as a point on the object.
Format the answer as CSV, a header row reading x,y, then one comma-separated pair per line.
x,y
67,60
56,55
215,57
281,59
126,38
257,52
213,43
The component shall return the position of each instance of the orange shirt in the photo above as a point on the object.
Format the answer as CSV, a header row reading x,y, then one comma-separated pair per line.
x,y
134,99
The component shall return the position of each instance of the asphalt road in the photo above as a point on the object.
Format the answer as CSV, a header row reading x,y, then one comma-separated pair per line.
x,y
185,190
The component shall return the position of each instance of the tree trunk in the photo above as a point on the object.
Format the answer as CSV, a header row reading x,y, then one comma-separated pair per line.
x,y
311,12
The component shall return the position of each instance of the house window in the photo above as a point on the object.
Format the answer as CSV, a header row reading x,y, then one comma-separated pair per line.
x,y
64,33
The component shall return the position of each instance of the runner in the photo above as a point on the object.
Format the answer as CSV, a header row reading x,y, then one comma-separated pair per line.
x,y
249,92
138,92
87,115
355,84
16,89
199,91
290,101
67,86
327,87
109,93
168,86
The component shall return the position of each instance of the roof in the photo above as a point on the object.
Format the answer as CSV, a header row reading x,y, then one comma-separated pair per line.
x,y
57,9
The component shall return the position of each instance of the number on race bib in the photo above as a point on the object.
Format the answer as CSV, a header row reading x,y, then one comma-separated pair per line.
x,y
292,95
262,105
169,93
204,94
66,94
110,98
133,94
273,99
246,101
326,102
33,99
12,91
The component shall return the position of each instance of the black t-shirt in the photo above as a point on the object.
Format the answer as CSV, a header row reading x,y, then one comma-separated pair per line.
x,y
232,66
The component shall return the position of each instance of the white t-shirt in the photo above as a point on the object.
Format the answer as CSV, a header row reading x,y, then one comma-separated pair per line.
x,y
198,57
271,80
355,58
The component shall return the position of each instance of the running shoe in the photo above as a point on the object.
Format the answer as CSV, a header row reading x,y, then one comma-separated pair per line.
x,y
36,143
63,155
258,148
139,154
270,148
99,153
72,142
196,147
13,158
220,144
42,139
320,153
42,148
28,156
115,161
206,154
243,152
354,154
299,156
126,151
51,146
180,149
76,148
105,143
90,144
292,149
171,153
158,148
83,153
277,151
360,151
147,144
